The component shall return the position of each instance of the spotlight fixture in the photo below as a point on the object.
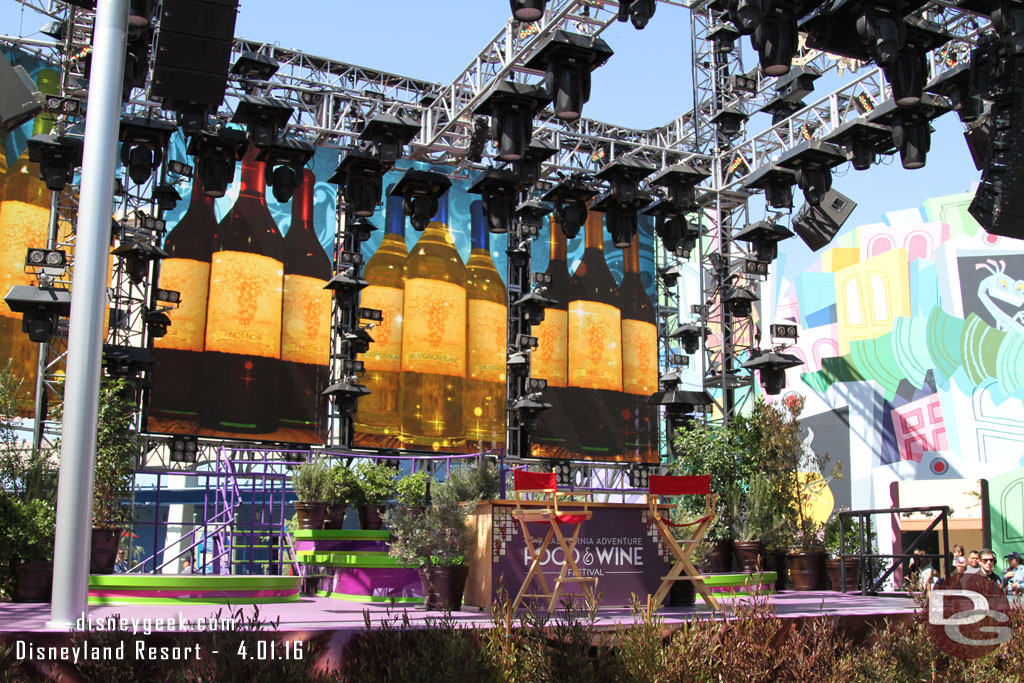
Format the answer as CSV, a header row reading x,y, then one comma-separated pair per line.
x,y
567,59
499,189
518,363
215,154
357,340
126,361
51,262
745,14
347,392
166,196
670,224
263,117
764,238
527,410
777,183
570,199
728,122
58,157
772,366
143,142
797,84
478,140
527,10
347,284
284,161
620,217
954,84
623,176
420,192
739,302
63,106
530,214
775,38
638,12
253,66
689,336
639,476
911,131
40,307
723,37
511,107
361,178
813,161
387,135
528,168
679,404
909,71
533,304
360,229
137,255
168,296
862,141
670,276
783,331
680,182
781,109
157,323
179,168
184,449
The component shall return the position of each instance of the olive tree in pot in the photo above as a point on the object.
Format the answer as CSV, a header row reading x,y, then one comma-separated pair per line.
x,y
311,481
451,540
376,488
342,491
410,544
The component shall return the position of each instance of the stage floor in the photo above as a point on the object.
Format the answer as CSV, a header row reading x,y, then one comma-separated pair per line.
x,y
328,614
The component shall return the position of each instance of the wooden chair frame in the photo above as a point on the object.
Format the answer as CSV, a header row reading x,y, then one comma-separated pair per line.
x,y
682,549
553,516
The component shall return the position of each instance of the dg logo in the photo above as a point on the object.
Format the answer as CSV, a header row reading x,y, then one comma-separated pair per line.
x,y
968,616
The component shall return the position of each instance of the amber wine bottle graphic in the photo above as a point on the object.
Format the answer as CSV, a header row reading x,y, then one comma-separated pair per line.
x,y
639,359
554,437
178,356
595,348
379,412
486,339
243,320
305,318
24,223
434,339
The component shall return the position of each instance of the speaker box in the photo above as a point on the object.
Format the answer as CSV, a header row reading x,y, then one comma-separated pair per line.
x,y
19,99
817,225
998,205
193,51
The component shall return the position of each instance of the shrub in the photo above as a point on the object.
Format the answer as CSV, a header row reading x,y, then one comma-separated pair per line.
x,y
376,482
312,481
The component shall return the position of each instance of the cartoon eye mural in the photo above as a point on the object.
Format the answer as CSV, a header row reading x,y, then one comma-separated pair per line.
x,y
939,466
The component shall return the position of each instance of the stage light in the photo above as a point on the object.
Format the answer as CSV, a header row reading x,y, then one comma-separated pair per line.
x,y
813,161
797,84
862,141
40,307
639,476
567,60
883,33
670,276
728,122
263,117
58,157
783,331
360,229
140,13
739,302
284,161
679,404
347,284
777,183
126,361
143,142
620,217
723,38
533,304
157,323
179,168
775,39
817,225
679,181
527,410
184,449
689,336
638,12
46,260
781,109
906,77
166,197
361,177
746,14
763,238
531,213
168,296
772,367
528,168
388,135
570,199
358,340
478,140
346,394
63,106
669,223
420,192
252,66
911,132
499,189
518,364
215,154
137,257
623,176
954,84
511,107
527,10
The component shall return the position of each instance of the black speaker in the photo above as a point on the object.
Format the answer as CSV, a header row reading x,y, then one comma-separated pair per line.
x,y
998,205
817,225
193,52
19,99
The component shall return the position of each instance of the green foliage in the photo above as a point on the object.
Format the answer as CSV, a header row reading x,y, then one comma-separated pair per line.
x,y
118,446
376,482
312,481
472,482
411,537
436,535
342,486
412,489
24,474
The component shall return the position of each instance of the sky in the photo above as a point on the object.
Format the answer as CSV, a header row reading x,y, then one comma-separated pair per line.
x,y
647,83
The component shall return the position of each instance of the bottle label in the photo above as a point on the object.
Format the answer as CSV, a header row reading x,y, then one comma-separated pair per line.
x,y
487,337
550,360
595,346
639,357
385,352
22,226
188,321
306,320
434,328
244,314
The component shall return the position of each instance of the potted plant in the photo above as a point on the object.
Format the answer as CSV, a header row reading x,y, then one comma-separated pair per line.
x,y
751,520
410,544
376,487
411,490
836,545
450,540
342,491
31,527
311,481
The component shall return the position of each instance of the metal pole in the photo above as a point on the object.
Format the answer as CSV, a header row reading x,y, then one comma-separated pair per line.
x,y
88,303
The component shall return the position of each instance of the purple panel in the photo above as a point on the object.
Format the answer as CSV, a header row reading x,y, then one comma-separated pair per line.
x,y
378,582
184,594
341,546
617,545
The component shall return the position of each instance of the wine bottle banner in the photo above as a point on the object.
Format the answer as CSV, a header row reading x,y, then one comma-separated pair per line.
x,y
434,327
550,360
305,330
188,321
488,321
639,357
245,317
595,345
386,351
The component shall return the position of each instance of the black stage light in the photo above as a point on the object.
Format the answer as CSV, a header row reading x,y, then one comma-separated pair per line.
x,y
764,238
884,34
862,141
775,40
347,284
179,168
623,177
620,217
361,178
729,122
346,394
388,134
143,142
420,192
166,196
478,140
567,59
168,296
639,12
670,275
253,66
157,323
679,181
137,255
216,154
772,366
530,214
528,168
47,261
527,10
184,449
58,157
669,223
746,14
817,225
813,161
499,189
797,84
781,109
723,38
128,362
263,117
689,336
533,304
527,411
739,302
679,404
511,107
783,331
909,72
284,161
40,306
357,340
777,183
570,198
954,84
360,228
911,132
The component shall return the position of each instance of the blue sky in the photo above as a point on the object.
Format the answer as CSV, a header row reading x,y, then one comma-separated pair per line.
x,y
646,83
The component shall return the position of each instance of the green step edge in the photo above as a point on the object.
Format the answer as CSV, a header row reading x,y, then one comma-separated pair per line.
x,y
738,580
238,601
195,582
348,559
367,598
341,535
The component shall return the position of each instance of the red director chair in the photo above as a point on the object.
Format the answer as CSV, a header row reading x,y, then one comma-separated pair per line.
x,y
682,549
553,518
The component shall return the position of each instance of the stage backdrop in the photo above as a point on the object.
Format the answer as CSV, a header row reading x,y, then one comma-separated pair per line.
x,y
247,352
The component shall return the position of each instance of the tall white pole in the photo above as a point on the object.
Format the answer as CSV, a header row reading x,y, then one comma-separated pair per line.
x,y
88,305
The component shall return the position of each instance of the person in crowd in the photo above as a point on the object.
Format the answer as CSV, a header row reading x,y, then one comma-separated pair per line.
x,y
973,561
987,567
921,572
959,560
1014,574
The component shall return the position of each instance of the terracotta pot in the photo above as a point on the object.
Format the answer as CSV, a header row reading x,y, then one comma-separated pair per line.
x,y
852,573
682,593
808,570
33,581
777,561
369,517
335,518
310,515
719,560
104,550
447,584
749,555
